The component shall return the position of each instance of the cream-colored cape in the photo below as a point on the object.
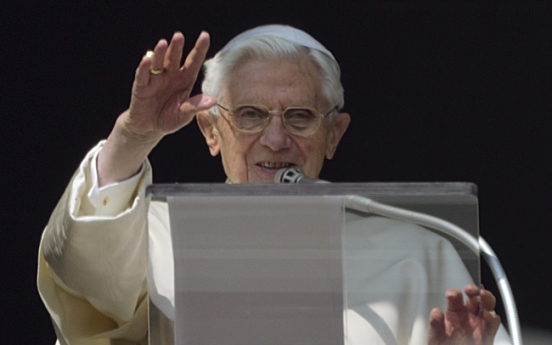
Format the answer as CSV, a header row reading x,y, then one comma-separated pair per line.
x,y
92,269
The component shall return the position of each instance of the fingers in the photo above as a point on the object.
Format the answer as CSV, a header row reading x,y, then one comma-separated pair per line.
x,y
142,75
473,302
491,319
195,59
150,61
158,57
198,103
455,301
472,322
488,300
492,323
167,56
437,329
479,299
482,303
193,105
456,312
174,52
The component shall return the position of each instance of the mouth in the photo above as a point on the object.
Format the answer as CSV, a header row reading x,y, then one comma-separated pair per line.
x,y
275,165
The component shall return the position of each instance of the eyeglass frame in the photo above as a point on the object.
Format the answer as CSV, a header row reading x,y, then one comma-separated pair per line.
x,y
318,114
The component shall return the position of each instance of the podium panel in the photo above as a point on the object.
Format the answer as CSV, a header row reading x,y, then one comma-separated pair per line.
x,y
297,264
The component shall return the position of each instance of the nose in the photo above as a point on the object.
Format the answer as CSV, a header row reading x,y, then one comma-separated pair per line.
x,y
275,135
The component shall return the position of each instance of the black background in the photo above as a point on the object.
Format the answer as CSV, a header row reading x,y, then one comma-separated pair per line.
x,y
437,91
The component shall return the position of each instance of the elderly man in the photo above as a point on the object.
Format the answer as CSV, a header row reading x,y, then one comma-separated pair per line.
x,y
272,99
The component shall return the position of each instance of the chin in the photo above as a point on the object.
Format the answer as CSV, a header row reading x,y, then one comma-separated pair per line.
x,y
266,180
261,179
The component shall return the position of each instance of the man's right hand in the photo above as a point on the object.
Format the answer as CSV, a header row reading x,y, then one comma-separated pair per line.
x,y
160,104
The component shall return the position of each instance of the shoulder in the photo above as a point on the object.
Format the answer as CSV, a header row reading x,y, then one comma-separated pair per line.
x,y
390,233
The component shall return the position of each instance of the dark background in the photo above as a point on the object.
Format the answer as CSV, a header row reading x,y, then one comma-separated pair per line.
x,y
438,91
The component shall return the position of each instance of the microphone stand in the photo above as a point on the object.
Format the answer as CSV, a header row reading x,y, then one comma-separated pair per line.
x,y
366,205
481,246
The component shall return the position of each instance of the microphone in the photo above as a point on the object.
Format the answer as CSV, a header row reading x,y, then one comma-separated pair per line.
x,y
294,175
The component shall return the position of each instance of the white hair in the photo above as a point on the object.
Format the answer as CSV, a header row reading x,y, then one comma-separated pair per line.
x,y
269,46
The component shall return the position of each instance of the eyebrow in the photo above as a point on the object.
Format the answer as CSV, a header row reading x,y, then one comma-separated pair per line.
x,y
248,101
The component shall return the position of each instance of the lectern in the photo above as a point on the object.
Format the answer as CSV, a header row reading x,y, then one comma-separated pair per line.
x,y
267,264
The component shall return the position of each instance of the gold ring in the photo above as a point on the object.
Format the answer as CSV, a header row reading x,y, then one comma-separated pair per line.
x,y
149,54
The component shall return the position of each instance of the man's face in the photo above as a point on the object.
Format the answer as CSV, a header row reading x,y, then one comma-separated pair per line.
x,y
256,157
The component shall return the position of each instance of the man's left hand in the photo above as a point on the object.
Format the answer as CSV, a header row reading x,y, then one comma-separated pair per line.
x,y
471,323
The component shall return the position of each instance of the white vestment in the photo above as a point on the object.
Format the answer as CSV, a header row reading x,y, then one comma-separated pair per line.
x,y
92,269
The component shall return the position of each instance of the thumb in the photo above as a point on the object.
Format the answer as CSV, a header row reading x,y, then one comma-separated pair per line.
x,y
194,104
198,103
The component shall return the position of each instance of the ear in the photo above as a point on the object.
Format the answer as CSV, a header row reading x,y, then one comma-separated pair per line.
x,y
337,128
206,123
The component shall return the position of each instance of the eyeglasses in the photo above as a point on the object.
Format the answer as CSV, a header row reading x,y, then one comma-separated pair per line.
x,y
300,121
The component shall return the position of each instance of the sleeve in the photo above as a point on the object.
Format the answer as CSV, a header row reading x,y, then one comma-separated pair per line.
x,y
92,263
108,200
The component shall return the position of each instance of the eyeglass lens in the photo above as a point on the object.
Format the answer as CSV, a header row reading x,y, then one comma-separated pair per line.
x,y
255,118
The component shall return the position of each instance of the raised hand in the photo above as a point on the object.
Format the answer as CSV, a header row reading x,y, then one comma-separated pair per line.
x,y
471,323
160,104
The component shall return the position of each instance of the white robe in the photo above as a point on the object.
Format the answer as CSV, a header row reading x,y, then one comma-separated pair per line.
x,y
92,269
